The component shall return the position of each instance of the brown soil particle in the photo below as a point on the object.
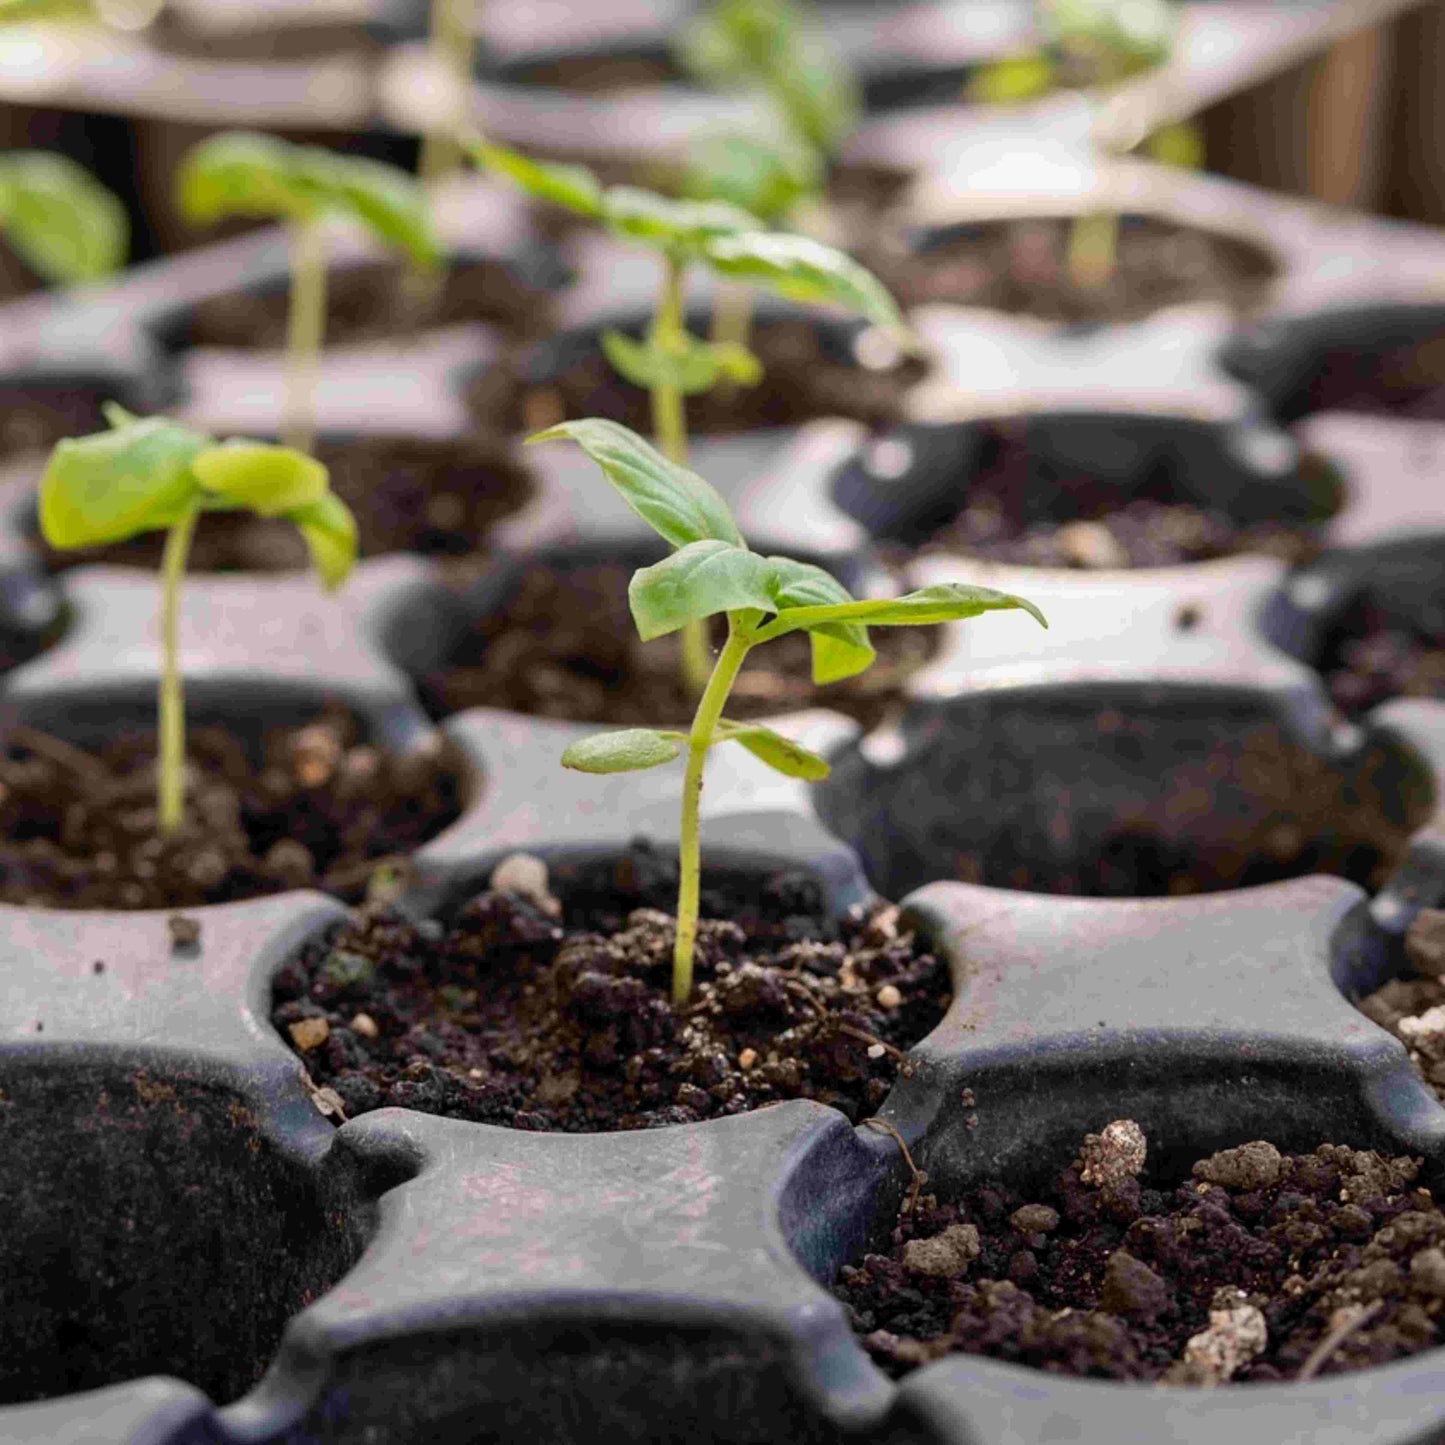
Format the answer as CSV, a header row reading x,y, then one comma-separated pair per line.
x,y
558,1017
1300,1264
1378,656
803,378
322,810
1021,266
439,498
1413,1009
564,645
369,302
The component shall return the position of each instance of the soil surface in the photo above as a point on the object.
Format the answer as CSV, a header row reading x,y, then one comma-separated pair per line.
x,y
370,302
564,646
1017,516
524,1013
1021,266
803,378
1413,1008
323,810
1378,658
1408,381
439,498
1260,1267
35,417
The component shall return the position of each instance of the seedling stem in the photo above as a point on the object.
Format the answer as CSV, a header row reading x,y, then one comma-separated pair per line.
x,y
171,781
305,331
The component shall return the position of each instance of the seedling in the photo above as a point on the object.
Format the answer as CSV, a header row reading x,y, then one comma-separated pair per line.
x,y
154,475
672,364
713,572
61,221
242,173
1096,45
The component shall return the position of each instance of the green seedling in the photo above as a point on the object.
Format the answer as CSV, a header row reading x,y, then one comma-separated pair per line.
x,y
154,475
59,219
241,173
1096,45
671,364
713,572
451,43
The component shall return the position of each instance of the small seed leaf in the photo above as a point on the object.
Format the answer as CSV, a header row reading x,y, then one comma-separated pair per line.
x,y
700,580
65,225
574,188
778,752
329,530
676,503
803,269
684,226
114,484
269,480
240,173
622,752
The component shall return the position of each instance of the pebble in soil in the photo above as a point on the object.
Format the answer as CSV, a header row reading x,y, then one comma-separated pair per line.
x,y
323,809
525,1012
438,498
1021,266
1379,656
1019,513
1258,1267
563,645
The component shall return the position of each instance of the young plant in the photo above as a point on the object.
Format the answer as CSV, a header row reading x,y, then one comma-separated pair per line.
x,y
151,474
59,219
712,572
671,364
241,173
1096,45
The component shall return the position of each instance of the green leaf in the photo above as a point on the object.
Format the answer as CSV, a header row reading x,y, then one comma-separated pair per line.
x,y
778,752
840,648
1012,80
676,503
269,480
391,204
329,531
622,752
803,269
818,93
1122,37
944,602
736,362
683,226
690,367
64,224
700,580
240,173
1180,144
765,180
115,484
574,188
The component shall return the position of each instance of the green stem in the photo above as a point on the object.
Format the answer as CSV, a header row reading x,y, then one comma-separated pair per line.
x,y
699,740
732,322
1093,249
305,331
450,42
669,430
171,762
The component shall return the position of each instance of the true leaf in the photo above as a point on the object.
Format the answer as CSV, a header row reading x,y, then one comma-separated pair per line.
x,y
329,531
65,225
115,484
840,648
700,580
391,203
685,226
778,752
676,503
269,480
691,366
240,173
622,752
803,269
574,188
943,602
765,180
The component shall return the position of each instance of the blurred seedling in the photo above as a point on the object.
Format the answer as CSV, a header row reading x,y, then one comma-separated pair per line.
x,y
60,220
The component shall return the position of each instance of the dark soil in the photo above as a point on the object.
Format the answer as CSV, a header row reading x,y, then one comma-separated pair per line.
x,y
564,646
514,1015
439,498
1115,1278
1021,266
1410,1008
1408,381
35,417
1015,515
322,810
1379,657
803,378
370,302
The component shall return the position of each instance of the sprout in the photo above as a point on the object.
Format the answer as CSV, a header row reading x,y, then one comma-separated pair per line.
x,y
245,174
63,223
711,572
672,364
152,474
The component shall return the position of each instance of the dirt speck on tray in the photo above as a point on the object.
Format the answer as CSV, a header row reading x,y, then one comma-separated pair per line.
x,y
322,810
564,645
1259,1267
509,1015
